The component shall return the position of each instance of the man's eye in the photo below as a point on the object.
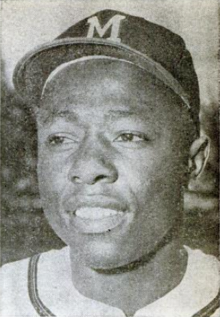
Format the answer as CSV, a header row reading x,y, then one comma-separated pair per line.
x,y
131,137
59,140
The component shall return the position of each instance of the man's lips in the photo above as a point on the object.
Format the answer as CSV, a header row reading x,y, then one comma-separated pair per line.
x,y
96,201
97,214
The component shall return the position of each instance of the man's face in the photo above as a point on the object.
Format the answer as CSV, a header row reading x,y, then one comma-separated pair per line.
x,y
111,161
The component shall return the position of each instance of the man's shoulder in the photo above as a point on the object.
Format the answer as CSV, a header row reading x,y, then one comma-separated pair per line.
x,y
202,282
15,278
8,270
200,262
197,294
14,295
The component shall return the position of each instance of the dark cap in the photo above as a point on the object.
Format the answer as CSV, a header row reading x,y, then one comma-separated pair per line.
x,y
118,35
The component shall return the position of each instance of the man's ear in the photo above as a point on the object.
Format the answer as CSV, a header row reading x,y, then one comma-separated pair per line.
x,y
199,154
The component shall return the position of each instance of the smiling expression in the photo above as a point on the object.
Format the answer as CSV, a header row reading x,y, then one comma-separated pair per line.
x,y
111,160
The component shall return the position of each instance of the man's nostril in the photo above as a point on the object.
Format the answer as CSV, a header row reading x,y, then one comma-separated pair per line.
x,y
99,178
76,179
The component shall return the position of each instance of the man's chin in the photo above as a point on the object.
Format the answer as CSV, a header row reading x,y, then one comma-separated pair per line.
x,y
118,257
107,258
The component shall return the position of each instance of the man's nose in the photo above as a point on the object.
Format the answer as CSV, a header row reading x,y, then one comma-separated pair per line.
x,y
92,166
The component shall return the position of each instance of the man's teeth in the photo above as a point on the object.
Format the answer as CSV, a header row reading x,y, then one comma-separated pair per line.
x,y
96,213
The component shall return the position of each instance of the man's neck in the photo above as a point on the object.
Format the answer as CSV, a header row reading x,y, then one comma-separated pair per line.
x,y
131,290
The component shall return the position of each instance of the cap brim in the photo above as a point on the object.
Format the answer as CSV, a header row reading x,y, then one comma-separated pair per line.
x,y
34,68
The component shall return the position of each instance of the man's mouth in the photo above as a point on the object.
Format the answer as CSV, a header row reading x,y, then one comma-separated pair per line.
x,y
96,213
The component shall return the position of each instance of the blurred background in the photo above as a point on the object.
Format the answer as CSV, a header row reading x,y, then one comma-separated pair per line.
x,y
26,24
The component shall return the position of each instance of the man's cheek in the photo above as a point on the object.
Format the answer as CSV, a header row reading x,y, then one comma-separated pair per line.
x,y
139,174
52,175
51,188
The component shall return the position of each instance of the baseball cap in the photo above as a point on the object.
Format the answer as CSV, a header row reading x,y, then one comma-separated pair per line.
x,y
119,36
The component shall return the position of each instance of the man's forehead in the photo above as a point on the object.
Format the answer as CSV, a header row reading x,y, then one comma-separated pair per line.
x,y
106,88
97,81
93,73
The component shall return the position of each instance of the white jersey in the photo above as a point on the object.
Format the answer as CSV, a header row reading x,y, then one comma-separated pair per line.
x,y
42,286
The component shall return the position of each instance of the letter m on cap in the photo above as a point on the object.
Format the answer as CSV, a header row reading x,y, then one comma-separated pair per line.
x,y
113,23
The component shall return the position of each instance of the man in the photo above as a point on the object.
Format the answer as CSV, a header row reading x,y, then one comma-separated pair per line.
x,y
116,101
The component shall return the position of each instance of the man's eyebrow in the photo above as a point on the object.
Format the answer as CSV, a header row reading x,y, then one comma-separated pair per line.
x,y
49,116
121,113
137,114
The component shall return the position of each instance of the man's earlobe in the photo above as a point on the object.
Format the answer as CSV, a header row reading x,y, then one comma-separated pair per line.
x,y
199,154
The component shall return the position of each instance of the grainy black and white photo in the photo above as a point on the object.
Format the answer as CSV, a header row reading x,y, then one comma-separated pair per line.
x,y
109,158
